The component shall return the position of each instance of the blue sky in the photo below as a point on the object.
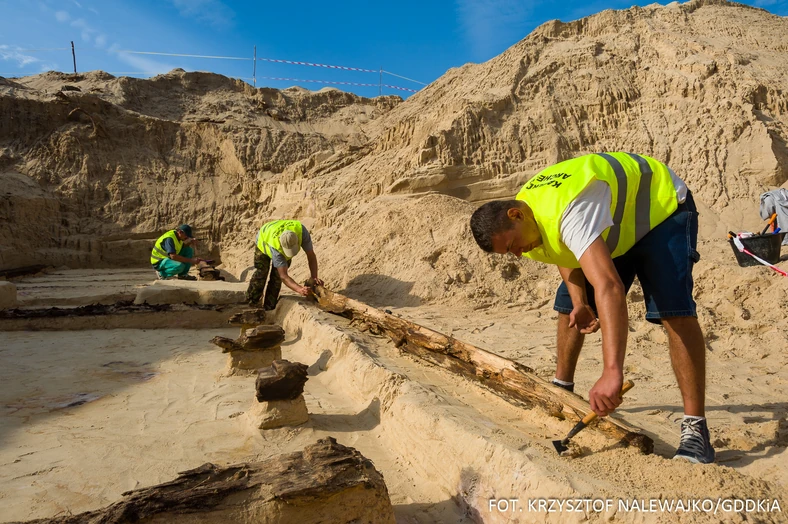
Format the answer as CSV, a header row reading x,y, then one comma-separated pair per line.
x,y
416,39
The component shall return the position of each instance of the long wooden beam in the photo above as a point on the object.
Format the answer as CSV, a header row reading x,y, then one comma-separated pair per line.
x,y
510,380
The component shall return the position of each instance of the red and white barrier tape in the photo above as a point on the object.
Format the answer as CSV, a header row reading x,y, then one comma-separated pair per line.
x,y
279,61
295,62
337,83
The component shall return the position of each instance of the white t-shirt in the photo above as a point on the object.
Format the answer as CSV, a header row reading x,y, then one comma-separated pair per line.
x,y
589,215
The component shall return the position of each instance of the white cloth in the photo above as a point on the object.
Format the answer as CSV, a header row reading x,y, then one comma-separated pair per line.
x,y
776,201
588,216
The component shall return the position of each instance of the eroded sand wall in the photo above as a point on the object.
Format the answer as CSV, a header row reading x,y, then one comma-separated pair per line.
x,y
698,85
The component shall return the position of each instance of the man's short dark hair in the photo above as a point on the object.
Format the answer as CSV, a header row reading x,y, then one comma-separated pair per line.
x,y
491,219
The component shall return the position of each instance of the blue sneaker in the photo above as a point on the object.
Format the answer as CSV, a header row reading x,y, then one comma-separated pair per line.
x,y
695,445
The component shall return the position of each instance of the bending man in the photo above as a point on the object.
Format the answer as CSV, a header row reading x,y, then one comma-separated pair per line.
x,y
172,254
604,219
278,242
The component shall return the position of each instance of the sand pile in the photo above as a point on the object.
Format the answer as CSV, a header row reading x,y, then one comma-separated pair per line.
x,y
699,85
403,251
103,164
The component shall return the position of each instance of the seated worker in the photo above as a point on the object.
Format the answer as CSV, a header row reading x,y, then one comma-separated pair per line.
x,y
604,219
172,254
278,242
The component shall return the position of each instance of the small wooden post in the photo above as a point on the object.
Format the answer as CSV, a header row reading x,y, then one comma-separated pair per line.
x,y
74,57
254,68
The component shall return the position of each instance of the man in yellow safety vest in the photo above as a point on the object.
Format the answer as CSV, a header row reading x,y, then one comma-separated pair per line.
x,y
277,243
172,254
604,219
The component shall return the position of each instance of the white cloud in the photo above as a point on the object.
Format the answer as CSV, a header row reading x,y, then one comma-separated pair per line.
x,y
86,31
62,16
80,23
93,10
143,64
210,12
492,25
77,4
13,54
101,40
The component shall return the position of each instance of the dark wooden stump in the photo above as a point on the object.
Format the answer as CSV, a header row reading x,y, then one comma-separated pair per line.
x,y
262,337
325,483
283,380
208,272
267,336
248,317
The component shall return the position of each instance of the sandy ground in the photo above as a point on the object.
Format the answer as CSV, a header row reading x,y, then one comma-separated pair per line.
x,y
77,287
112,410
750,436
88,415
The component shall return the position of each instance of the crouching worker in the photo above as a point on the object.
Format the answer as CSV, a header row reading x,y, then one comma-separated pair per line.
x,y
604,219
277,243
172,254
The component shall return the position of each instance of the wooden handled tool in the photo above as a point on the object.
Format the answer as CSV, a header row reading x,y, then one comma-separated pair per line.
x,y
769,223
562,445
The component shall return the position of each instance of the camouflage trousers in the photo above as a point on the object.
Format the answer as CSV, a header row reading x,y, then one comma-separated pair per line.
x,y
263,268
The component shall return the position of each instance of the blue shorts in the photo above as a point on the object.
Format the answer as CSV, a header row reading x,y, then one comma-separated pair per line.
x,y
662,260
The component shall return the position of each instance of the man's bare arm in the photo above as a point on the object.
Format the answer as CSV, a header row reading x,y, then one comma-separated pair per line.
x,y
289,282
312,258
582,317
598,267
185,260
575,282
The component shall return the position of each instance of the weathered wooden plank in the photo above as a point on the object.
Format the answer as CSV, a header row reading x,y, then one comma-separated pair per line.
x,y
325,483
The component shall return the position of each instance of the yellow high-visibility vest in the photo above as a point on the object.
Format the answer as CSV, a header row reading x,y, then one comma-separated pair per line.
x,y
643,196
268,237
158,253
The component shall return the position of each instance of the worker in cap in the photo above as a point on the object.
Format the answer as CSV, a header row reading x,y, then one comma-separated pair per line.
x,y
604,219
277,243
172,254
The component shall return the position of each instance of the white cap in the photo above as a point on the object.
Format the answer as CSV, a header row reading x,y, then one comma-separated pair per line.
x,y
289,242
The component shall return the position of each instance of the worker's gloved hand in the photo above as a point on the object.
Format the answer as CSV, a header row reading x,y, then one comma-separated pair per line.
x,y
605,396
584,319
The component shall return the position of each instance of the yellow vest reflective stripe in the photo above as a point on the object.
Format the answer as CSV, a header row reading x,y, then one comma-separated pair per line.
x,y
269,234
643,196
158,253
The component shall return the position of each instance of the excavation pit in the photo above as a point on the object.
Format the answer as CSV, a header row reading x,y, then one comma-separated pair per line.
x,y
91,414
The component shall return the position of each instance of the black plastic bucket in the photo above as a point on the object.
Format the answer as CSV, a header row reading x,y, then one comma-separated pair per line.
x,y
765,246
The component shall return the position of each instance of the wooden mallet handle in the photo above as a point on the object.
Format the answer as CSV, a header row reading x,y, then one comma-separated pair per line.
x,y
626,387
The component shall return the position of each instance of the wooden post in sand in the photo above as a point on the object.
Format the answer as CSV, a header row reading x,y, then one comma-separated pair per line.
x,y
248,318
256,348
74,57
279,392
510,380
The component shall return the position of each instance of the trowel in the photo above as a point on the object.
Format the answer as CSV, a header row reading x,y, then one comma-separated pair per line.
x,y
562,445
